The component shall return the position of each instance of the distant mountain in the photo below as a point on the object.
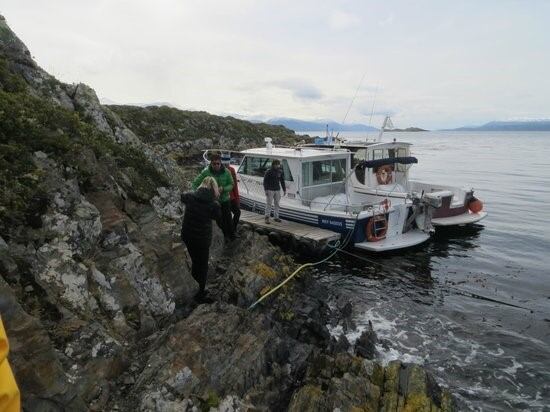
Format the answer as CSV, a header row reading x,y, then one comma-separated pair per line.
x,y
320,125
513,125
107,101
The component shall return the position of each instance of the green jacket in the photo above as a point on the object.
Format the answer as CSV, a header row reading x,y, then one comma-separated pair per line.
x,y
223,177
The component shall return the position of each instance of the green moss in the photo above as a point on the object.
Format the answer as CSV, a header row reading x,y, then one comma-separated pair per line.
x,y
211,400
29,124
9,81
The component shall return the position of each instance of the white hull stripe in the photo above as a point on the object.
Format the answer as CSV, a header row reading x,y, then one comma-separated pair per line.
x,y
311,218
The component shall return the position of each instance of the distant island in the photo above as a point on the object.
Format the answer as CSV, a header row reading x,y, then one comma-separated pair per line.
x,y
510,126
320,125
408,129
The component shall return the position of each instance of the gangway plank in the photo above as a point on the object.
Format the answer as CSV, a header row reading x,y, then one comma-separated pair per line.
x,y
298,230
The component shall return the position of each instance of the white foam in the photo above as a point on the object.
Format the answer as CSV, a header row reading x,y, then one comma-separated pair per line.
x,y
511,370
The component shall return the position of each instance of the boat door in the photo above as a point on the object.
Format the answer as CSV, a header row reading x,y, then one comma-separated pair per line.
x,y
251,174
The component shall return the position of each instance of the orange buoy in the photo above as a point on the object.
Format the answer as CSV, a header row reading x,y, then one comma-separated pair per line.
x,y
475,205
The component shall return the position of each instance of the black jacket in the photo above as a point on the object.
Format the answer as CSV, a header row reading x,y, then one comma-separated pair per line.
x,y
272,178
200,209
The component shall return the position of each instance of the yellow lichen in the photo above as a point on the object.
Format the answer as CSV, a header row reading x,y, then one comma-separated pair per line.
x,y
265,290
417,403
265,271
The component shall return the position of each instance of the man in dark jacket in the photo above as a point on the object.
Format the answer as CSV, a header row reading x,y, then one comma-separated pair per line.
x,y
225,185
201,208
274,180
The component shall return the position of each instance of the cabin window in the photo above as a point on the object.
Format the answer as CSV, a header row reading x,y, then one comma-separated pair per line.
x,y
323,172
257,166
286,171
401,152
358,156
360,174
377,154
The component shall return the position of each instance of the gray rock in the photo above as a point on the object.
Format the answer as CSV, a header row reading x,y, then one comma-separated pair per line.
x,y
365,346
85,100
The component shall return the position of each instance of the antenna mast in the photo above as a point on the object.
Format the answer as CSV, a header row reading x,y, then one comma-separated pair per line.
x,y
386,125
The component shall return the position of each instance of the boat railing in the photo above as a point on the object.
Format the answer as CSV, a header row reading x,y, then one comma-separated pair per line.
x,y
330,201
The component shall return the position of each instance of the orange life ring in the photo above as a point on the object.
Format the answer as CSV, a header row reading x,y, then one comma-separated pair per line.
x,y
384,175
475,205
376,228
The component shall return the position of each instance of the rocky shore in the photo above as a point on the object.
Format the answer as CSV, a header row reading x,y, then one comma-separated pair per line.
x,y
95,284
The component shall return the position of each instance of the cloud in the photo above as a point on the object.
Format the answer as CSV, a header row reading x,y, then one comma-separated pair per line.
x,y
387,21
300,89
383,111
340,20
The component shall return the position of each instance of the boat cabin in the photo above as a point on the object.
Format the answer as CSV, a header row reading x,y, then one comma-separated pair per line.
x,y
383,165
309,173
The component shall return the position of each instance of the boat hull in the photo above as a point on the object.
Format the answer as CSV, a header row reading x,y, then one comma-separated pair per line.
x,y
405,240
466,218
337,223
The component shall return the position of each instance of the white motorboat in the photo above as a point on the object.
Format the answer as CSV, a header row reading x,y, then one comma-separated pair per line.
x,y
381,171
319,193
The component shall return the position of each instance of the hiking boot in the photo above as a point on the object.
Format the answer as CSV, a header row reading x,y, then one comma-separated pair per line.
x,y
277,220
267,220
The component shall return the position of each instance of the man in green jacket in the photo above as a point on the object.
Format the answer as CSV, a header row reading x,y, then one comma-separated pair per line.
x,y
225,185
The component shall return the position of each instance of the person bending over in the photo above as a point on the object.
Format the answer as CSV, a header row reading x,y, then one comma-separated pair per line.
x,y
201,208
225,185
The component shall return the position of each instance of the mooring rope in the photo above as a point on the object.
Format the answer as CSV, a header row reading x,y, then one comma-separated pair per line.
x,y
336,247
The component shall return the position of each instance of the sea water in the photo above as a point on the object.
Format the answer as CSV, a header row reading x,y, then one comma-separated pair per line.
x,y
473,303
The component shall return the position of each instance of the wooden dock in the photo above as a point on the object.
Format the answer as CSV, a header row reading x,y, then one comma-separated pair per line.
x,y
286,227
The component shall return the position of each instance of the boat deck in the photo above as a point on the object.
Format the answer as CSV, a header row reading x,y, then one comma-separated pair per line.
x,y
298,230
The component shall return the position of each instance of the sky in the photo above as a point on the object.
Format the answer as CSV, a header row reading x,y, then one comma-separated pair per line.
x,y
427,63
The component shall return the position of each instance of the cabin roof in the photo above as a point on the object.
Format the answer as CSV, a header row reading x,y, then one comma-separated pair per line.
x,y
298,152
383,145
355,145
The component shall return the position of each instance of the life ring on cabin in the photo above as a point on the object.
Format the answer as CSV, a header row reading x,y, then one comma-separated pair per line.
x,y
376,228
384,175
386,204
475,205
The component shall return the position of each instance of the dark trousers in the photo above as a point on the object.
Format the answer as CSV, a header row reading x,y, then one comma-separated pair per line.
x,y
199,252
236,210
225,222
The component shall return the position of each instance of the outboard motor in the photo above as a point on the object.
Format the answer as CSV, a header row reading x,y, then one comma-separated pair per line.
x,y
422,212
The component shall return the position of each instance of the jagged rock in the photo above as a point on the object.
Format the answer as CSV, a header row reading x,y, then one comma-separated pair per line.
x,y
3,244
63,277
167,203
36,365
42,83
349,383
365,346
221,350
341,382
85,100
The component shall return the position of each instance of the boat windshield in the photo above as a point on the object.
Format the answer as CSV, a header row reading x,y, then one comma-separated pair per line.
x,y
257,166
